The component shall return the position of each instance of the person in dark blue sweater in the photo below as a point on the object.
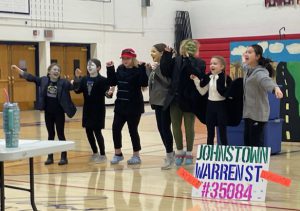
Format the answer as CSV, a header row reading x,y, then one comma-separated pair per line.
x,y
130,78
54,98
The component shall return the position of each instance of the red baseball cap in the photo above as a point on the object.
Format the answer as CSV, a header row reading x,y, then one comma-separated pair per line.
x,y
128,53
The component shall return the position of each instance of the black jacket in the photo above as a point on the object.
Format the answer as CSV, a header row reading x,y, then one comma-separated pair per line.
x,y
183,90
222,86
233,92
63,93
129,96
93,115
234,102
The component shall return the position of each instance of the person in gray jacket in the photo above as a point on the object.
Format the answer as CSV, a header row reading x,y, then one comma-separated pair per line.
x,y
257,84
158,90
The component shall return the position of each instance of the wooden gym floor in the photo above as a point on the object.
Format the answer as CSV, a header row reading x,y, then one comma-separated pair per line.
x,y
85,186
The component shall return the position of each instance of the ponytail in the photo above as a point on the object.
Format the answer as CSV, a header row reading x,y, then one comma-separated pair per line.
x,y
266,63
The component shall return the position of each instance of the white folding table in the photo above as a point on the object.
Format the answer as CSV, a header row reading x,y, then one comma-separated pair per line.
x,y
28,149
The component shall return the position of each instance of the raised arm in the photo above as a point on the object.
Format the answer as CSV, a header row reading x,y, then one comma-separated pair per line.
x,y
77,83
111,74
167,62
143,79
201,90
27,76
268,84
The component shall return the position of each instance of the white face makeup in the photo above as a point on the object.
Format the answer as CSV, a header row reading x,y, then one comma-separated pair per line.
x,y
54,73
92,69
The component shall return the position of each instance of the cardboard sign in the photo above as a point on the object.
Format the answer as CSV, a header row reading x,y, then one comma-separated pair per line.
x,y
231,172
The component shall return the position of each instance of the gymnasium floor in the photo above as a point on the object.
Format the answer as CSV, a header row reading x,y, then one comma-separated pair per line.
x,y
85,186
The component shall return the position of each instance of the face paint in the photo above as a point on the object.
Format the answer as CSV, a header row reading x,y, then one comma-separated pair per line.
x,y
92,69
54,73
191,48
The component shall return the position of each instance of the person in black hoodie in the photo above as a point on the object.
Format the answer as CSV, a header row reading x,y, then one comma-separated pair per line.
x,y
216,83
181,97
54,98
130,78
94,88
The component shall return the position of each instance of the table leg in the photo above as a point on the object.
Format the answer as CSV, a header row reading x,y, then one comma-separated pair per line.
x,y
31,174
2,185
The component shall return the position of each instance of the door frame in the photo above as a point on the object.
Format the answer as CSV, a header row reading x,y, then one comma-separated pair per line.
x,y
86,45
36,61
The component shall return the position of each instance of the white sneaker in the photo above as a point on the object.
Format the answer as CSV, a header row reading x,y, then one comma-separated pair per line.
x,y
169,163
94,157
101,159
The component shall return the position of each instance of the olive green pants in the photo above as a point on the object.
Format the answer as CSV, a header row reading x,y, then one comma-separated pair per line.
x,y
189,121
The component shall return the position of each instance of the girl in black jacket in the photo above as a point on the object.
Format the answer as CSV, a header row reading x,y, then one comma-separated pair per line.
x,y
130,78
182,94
94,87
216,83
54,98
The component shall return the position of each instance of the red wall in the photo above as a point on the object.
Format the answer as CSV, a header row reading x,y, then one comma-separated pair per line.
x,y
221,46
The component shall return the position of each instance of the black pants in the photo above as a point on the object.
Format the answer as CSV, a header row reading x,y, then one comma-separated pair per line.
x,y
216,116
254,133
56,121
132,122
91,134
163,121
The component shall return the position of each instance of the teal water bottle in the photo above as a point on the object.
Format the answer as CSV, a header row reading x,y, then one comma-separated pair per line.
x,y
11,124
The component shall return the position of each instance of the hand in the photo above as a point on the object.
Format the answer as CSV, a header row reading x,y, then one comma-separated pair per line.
x,y
78,72
109,93
278,93
187,54
155,65
169,49
193,77
149,67
109,64
16,68
142,64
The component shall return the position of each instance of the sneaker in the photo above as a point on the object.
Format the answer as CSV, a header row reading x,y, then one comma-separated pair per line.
x,y
188,159
116,159
101,159
134,160
94,157
169,163
179,159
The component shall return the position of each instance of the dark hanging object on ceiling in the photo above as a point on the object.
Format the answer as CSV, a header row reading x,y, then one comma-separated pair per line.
x,y
182,28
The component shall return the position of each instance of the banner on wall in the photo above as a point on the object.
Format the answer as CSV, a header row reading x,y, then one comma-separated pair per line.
x,y
279,3
285,55
231,172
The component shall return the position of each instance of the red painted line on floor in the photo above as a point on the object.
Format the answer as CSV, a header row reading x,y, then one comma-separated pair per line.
x,y
158,195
